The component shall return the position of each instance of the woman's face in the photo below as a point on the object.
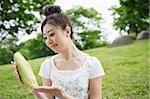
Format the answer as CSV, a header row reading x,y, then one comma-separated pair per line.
x,y
55,38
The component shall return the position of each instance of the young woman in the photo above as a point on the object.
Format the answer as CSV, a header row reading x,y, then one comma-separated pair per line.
x,y
71,73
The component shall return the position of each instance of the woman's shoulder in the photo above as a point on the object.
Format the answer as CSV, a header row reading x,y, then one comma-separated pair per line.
x,y
92,59
93,62
48,60
95,67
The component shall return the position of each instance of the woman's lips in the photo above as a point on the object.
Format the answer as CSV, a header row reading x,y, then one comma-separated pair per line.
x,y
54,45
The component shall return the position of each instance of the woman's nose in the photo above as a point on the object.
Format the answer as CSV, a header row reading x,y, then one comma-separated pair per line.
x,y
50,41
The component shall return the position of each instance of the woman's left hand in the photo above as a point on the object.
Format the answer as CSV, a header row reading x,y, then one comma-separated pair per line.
x,y
53,90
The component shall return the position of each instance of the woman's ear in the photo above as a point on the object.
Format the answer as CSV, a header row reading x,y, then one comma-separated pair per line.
x,y
67,31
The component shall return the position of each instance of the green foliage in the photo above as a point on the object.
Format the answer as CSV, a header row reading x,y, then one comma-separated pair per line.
x,y
7,48
80,12
77,43
5,56
126,69
132,16
90,39
18,15
35,48
86,23
10,43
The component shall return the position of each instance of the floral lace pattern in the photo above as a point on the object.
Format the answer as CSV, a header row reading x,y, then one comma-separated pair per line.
x,y
77,87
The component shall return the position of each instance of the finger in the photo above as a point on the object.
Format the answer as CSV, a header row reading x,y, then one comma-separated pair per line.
x,y
58,88
18,78
15,70
14,67
44,88
13,62
17,75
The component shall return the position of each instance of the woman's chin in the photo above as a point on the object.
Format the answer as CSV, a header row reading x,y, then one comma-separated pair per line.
x,y
58,50
55,51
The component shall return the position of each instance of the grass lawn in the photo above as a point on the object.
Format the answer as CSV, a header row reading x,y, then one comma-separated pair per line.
x,y
126,68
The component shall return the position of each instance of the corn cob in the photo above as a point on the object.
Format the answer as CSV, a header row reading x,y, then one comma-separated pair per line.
x,y
25,71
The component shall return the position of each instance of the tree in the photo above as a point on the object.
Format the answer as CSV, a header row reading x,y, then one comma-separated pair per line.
x,y
7,48
86,24
132,16
19,15
90,39
5,56
35,48
10,43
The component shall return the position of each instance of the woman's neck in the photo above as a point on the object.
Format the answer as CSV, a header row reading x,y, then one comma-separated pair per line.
x,y
70,52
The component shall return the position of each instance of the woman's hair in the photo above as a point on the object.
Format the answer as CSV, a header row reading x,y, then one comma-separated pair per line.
x,y
56,17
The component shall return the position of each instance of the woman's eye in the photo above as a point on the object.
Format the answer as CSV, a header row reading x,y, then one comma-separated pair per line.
x,y
52,34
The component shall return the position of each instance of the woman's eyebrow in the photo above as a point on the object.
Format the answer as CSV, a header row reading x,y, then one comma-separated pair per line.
x,y
49,30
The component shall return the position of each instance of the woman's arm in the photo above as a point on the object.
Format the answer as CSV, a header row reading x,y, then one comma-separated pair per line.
x,y
95,88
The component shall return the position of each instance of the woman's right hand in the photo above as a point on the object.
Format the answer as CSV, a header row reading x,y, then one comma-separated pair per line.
x,y
15,70
16,73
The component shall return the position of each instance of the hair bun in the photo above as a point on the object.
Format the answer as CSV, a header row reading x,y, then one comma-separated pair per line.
x,y
51,9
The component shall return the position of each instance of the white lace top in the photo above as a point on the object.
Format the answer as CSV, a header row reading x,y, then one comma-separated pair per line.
x,y
76,82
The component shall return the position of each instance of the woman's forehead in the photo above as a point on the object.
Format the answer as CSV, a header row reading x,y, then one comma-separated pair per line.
x,y
48,27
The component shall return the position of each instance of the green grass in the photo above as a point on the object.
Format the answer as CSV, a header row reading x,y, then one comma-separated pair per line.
x,y
126,68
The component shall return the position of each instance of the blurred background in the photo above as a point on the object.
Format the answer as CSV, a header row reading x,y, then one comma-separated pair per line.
x,y
115,31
